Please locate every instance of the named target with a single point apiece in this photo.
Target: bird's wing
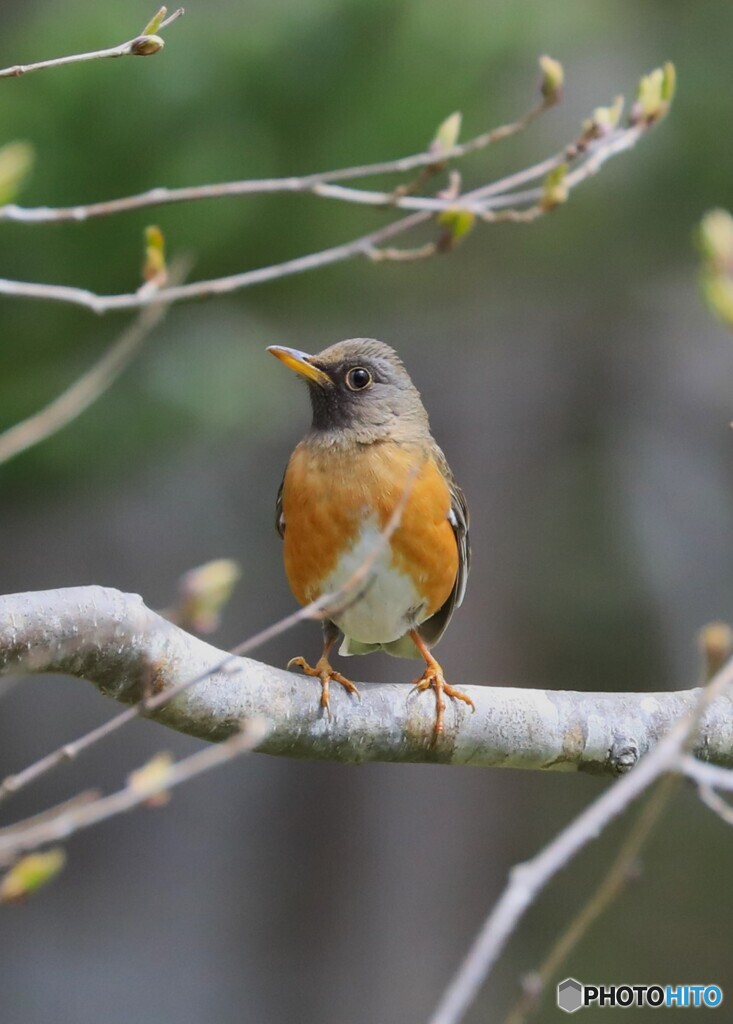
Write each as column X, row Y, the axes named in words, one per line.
column 433, row 628
column 279, row 516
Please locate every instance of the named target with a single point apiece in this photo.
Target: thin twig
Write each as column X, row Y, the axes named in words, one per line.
column 716, row 803
column 324, row 607
column 141, row 46
column 620, row 874
column 707, row 774
column 322, row 184
column 716, row 647
column 527, row 880
column 24, row 836
column 364, row 245
column 90, row 386
column 88, row 796
column 216, row 286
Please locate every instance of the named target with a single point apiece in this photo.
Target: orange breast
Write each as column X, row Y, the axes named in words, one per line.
column 328, row 494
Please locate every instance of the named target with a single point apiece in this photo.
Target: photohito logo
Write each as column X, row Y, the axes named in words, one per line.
column 572, row 995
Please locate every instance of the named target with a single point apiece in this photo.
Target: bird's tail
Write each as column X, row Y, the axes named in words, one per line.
column 402, row 648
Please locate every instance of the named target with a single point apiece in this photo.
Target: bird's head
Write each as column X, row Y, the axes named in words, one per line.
column 360, row 390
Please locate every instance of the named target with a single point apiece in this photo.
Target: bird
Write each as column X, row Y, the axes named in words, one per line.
column 368, row 458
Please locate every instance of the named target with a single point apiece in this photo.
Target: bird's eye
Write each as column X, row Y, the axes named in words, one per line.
column 358, row 378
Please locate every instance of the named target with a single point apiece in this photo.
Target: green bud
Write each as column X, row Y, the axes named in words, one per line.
column 715, row 641
column 656, row 91
column 649, row 96
column 669, row 82
column 604, row 119
column 715, row 236
column 154, row 264
column 150, row 780
column 30, row 873
column 553, row 79
column 146, row 46
column 555, row 191
column 457, row 222
column 447, row 134
column 16, row 161
column 203, row 594
column 717, row 289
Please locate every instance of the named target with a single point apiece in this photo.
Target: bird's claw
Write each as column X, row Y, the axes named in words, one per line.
column 433, row 679
column 324, row 671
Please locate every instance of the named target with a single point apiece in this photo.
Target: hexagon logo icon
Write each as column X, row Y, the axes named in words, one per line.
column 570, row 995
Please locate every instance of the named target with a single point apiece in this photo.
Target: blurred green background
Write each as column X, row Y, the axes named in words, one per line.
column 580, row 390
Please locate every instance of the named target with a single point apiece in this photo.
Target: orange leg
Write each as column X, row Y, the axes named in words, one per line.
column 324, row 671
column 433, row 678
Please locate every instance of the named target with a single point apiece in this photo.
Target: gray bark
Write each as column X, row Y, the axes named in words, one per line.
column 128, row 651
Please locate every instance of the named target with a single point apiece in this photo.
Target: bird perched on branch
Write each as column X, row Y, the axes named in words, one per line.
column 369, row 459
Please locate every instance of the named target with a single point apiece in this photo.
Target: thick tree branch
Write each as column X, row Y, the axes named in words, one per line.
column 126, row 651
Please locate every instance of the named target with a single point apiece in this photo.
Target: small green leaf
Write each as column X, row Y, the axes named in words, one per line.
column 555, row 191
column 204, row 593
column 458, row 222
column 154, row 264
column 715, row 236
column 656, row 92
column 718, row 292
column 16, row 161
column 150, row 780
column 447, row 134
column 604, row 119
column 669, row 82
column 649, row 96
column 30, row 873
column 155, row 22
column 553, row 79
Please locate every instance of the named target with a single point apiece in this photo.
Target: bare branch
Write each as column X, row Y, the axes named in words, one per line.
column 529, row 879
column 154, row 695
column 481, row 202
column 128, row 651
column 707, row 774
column 716, row 647
column 716, row 803
column 623, row 870
column 144, row 45
column 494, row 202
column 24, row 836
column 216, row 286
column 321, row 183
column 87, row 796
column 89, row 387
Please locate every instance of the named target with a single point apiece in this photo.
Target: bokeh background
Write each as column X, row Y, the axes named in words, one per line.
column 577, row 384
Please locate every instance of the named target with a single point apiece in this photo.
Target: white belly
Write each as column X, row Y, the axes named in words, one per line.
column 390, row 604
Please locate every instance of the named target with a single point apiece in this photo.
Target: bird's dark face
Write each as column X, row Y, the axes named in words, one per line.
column 359, row 387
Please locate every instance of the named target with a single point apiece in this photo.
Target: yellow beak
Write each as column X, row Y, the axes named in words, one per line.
column 300, row 362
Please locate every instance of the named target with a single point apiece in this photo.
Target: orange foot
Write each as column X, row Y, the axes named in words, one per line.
column 324, row 671
column 433, row 678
